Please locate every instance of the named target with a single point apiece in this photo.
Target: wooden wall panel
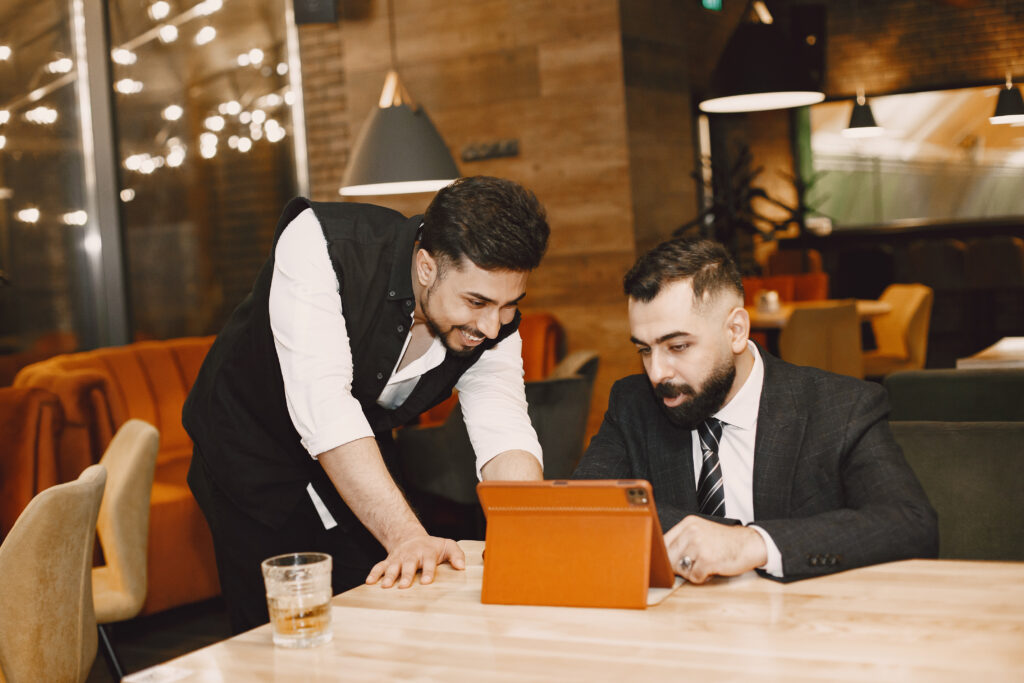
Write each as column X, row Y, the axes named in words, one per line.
column 548, row 74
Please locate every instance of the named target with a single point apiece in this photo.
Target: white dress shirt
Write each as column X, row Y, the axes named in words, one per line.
column 736, row 455
column 316, row 361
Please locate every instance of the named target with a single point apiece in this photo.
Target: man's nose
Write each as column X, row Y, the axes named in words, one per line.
column 658, row 367
column 490, row 323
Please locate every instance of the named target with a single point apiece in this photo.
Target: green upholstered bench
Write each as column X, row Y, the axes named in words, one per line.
column 971, row 472
column 956, row 395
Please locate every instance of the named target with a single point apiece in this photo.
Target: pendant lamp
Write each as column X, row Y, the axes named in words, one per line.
column 398, row 151
column 1009, row 106
column 862, row 121
column 760, row 70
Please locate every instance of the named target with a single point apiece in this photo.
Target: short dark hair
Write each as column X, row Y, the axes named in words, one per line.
column 705, row 263
column 496, row 223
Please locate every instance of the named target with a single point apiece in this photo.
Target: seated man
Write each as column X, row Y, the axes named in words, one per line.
column 755, row 463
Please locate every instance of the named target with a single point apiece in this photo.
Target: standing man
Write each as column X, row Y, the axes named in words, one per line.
column 755, row 463
column 360, row 320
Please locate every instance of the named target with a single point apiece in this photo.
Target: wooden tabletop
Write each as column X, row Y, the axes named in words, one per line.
column 776, row 320
column 913, row 620
column 1008, row 352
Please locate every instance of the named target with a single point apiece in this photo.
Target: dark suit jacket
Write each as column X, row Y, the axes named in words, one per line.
column 831, row 485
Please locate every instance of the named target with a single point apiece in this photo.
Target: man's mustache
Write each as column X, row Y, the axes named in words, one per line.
column 669, row 390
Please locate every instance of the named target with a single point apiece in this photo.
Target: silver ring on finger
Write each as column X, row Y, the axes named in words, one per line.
column 686, row 563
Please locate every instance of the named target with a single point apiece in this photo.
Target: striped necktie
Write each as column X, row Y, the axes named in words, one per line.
column 710, row 491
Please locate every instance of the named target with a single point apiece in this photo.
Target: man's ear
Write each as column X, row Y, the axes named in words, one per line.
column 425, row 268
column 737, row 326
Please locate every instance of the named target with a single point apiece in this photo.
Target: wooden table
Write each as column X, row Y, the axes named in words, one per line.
column 1008, row 352
column 776, row 320
column 913, row 620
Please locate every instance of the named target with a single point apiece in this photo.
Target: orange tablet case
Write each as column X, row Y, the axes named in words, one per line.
column 592, row 543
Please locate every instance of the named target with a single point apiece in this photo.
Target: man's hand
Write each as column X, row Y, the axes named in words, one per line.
column 713, row 548
column 408, row 556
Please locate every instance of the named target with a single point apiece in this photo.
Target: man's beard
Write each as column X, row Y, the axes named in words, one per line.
column 702, row 404
column 435, row 328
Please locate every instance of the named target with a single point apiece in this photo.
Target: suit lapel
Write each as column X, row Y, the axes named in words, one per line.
column 671, row 461
column 780, row 432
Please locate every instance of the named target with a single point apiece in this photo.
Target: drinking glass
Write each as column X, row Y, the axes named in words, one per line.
column 299, row 598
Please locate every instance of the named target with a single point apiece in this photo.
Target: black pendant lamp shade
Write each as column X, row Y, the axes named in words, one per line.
column 862, row 121
column 398, row 151
column 1009, row 106
column 760, row 70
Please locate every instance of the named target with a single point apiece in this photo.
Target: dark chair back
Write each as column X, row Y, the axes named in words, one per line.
column 971, row 473
column 956, row 395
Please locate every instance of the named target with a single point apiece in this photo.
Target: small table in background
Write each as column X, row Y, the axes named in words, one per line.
column 1008, row 352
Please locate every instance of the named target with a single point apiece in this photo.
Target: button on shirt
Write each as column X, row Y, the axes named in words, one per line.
column 736, row 455
column 316, row 361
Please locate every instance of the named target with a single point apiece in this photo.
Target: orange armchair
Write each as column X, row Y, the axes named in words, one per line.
column 31, row 421
column 102, row 389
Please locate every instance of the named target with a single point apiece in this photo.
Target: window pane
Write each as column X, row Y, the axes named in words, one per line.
column 204, row 132
column 44, row 293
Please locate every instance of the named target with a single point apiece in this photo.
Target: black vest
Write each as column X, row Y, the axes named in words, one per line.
column 236, row 412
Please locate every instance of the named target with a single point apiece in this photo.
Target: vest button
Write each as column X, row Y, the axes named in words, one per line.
column 391, row 293
column 380, row 375
column 408, row 303
column 401, row 328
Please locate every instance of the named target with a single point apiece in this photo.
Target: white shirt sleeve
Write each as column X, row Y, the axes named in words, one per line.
column 774, row 564
column 311, row 340
column 493, row 400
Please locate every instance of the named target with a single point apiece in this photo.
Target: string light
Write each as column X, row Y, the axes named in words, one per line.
column 127, row 195
column 205, row 35
column 3, row 141
column 168, row 33
column 123, row 56
column 128, row 86
column 159, row 10
column 5, row 116
column 75, row 218
column 41, row 115
column 208, row 7
column 244, row 145
column 60, row 66
column 5, row 53
column 214, row 123
column 28, row 215
column 172, row 112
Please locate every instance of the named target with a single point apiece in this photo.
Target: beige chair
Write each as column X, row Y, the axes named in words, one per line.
column 825, row 336
column 901, row 335
column 119, row 586
column 47, row 624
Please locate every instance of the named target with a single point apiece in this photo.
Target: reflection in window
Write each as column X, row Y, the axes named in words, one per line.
column 204, row 133
column 42, row 207
column 939, row 159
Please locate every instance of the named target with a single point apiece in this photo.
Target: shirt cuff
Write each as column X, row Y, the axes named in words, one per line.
column 774, row 564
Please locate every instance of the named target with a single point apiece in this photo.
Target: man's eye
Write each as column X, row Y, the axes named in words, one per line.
column 679, row 347
column 644, row 352
column 475, row 304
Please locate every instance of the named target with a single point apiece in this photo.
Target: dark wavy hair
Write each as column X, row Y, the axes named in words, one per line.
column 495, row 223
column 705, row 263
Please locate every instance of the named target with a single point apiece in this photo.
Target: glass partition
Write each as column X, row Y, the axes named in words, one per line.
column 935, row 158
column 146, row 149
column 204, row 132
column 44, row 289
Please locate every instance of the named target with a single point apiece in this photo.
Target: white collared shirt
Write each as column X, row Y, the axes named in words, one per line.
column 316, row 361
column 736, row 455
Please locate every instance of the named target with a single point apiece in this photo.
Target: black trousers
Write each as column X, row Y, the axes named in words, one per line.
column 241, row 543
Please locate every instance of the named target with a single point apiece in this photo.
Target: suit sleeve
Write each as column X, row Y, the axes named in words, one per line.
column 884, row 516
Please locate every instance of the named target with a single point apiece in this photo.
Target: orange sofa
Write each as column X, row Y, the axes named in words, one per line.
column 31, row 421
column 99, row 390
